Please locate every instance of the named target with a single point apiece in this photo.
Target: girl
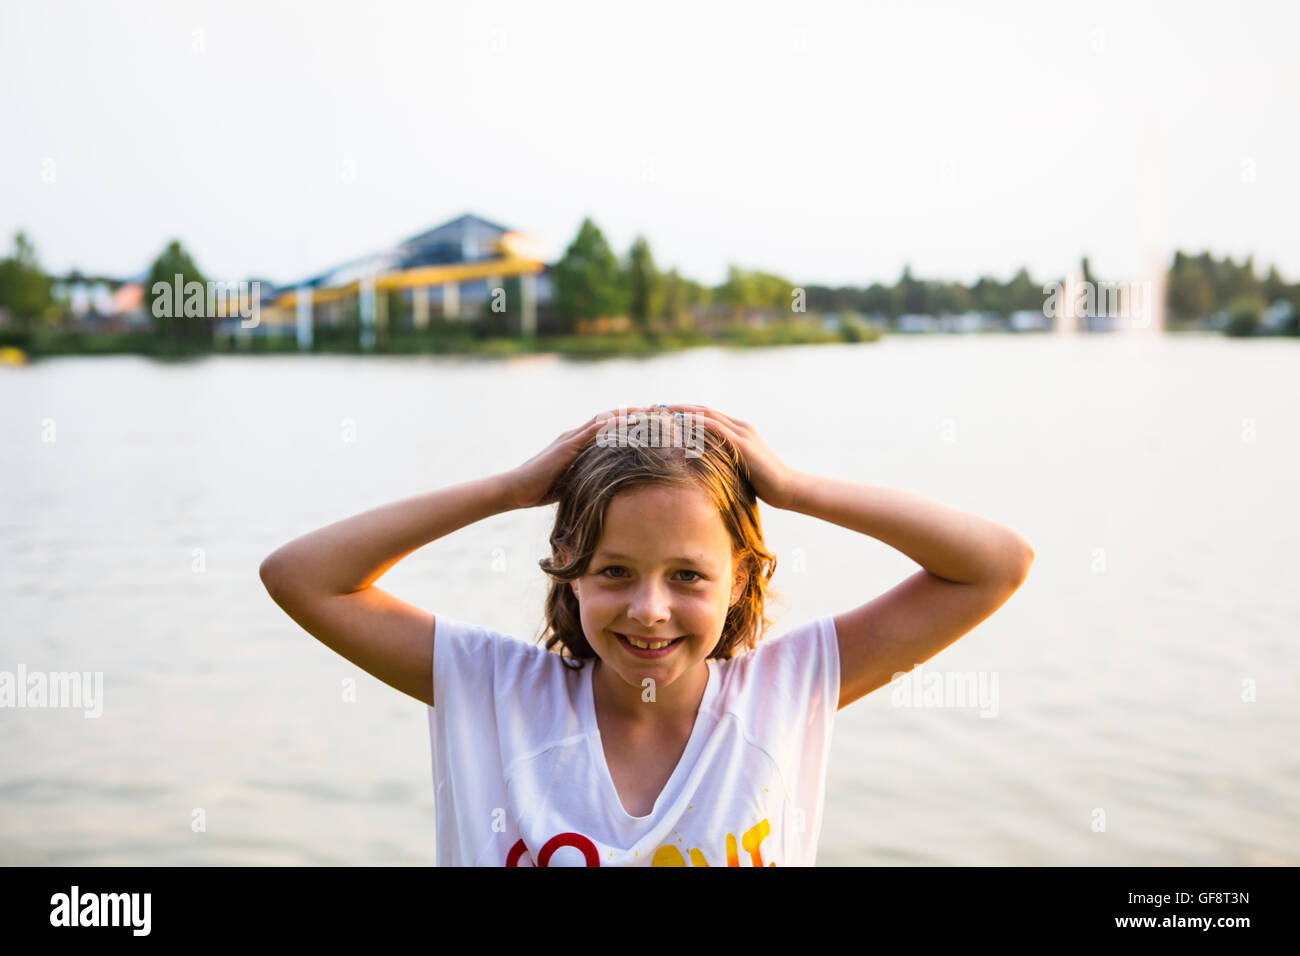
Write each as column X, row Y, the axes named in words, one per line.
column 657, row 727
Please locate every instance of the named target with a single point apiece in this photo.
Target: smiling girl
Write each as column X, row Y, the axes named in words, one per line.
column 658, row 726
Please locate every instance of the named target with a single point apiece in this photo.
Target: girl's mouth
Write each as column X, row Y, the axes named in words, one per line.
column 651, row 651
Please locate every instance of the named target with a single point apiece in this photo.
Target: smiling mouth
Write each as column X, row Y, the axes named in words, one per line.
column 646, row 645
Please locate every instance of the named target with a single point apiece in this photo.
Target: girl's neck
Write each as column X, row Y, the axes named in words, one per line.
column 671, row 707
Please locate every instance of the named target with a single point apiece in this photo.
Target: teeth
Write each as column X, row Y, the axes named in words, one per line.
column 646, row 647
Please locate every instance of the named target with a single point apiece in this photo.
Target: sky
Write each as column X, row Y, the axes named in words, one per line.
column 831, row 143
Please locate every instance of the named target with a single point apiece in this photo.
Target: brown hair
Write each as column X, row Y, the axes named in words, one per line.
column 599, row 473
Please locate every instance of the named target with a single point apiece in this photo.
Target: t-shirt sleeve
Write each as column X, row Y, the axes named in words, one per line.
column 792, row 691
column 464, row 675
column 474, row 669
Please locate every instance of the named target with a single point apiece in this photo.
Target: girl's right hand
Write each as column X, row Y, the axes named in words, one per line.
column 531, row 484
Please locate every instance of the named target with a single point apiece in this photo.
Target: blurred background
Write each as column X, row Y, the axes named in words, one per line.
column 269, row 265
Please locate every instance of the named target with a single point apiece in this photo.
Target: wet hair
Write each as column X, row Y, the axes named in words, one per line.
column 599, row 473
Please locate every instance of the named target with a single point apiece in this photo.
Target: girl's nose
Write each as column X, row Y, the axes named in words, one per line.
column 650, row 604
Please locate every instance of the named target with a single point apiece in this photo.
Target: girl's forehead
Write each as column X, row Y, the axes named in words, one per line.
column 664, row 518
column 664, row 502
column 658, row 523
column 660, row 544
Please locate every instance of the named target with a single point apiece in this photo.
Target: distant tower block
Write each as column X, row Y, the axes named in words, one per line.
column 1154, row 293
column 420, row 307
column 367, row 304
column 528, row 313
column 303, row 303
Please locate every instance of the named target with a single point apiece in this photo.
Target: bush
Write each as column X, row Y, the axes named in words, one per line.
column 1244, row 316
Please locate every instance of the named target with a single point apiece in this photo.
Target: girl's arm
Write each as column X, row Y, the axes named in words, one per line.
column 971, row 566
column 325, row 580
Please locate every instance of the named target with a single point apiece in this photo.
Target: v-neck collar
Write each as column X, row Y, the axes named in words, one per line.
column 684, row 762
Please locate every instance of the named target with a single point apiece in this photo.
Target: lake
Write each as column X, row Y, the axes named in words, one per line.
column 1146, row 672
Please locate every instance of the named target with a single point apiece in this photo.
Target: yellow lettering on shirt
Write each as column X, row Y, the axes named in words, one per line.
column 751, row 839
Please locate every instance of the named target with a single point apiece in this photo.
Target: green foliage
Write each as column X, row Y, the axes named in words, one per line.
column 854, row 329
column 1200, row 285
column 909, row 295
column 179, row 330
column 1244, row 314
column 800, row 331
column 645, row 288
column 673, row 314
column 588, row 281
column 745, row 290
column 1189, row 288
column 25, row 289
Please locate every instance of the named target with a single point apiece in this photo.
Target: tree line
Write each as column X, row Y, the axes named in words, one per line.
column 591, row 281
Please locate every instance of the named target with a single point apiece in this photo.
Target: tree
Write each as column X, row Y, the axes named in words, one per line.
column 773, row 291
column 744, row 290
column 990, row 296
column 1244, row 314
column 1023, row 293
column 25, row 289
column 587, row 279
column 1189, row 293
column 189, row 323
column 737, row 291
column 1275, row 286
column 955, row 298
column 674, row 314
column 644, row 286
column 909, row 294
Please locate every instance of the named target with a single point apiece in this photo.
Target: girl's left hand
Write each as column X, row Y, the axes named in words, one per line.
column 774, row 481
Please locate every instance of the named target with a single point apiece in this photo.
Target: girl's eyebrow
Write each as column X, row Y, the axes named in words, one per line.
column 623, row 557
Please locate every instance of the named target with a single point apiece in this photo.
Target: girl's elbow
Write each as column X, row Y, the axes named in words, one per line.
column 1026, row 561
column 273, row 573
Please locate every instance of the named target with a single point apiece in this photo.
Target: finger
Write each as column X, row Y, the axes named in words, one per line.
column 715, row 425
column 600, row 418
column 709, row 418
column 735, row 423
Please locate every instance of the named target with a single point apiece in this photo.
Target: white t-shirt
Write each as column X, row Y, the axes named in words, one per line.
column 520, row 777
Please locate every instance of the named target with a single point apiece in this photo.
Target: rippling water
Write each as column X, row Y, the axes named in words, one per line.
column 1147, row 674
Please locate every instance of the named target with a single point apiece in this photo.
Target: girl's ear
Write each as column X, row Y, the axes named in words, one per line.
column 741, row 579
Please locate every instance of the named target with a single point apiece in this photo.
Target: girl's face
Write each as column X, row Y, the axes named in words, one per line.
column 663, row 569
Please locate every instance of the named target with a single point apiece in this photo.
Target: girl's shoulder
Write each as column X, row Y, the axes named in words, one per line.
column 499, row 685
column 802, row 663
column 784, row 694
column 464, row 647
column 791, row 648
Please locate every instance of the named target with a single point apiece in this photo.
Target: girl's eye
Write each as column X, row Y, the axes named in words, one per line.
column 697, row 575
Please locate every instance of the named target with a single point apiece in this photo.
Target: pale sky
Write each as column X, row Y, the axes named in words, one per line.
column 827, row 142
